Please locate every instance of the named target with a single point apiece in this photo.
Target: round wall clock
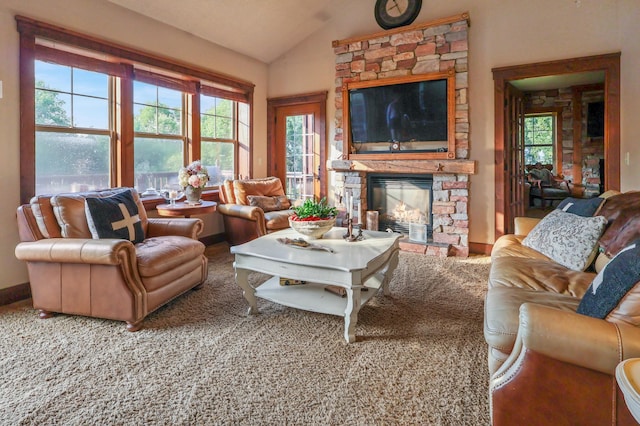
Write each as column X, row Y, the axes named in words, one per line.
column 396, row 13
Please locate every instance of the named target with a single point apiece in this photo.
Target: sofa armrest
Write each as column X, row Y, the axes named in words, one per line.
column 574, row 338
column 252, row 213
column 524, row 225
column 77, row 250
column 187, row 227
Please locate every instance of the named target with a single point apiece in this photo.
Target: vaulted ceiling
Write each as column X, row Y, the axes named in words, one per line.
column 261, row 29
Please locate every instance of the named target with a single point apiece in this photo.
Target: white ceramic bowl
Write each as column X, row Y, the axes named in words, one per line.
column 314, row 229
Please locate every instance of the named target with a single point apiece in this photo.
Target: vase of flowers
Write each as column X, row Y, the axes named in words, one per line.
column 193, row 179
column 313, row 219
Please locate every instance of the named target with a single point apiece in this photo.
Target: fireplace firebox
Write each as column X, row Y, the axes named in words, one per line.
column 403, row 202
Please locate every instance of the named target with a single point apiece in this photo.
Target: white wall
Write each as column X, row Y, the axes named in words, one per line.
column 109, row 22
column 502, row 33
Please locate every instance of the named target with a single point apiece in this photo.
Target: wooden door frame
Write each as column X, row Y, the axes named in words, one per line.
column 610, row 64
column 273, row 104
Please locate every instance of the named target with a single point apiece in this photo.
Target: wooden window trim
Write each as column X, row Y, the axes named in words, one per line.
column 125, row 64
column 31, row 27
column 557, row 116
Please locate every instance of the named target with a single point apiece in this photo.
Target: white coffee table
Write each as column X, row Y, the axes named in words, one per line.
column 353, row 265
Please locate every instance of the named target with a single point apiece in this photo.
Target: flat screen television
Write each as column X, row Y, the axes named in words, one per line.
column 401, row 112
column 403, row 115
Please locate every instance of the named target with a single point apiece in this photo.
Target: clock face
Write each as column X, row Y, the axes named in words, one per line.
column 396, row 13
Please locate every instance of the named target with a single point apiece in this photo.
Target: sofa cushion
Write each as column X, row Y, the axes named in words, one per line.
column 569, row 239
column 614, row 293
column 266, row 187
column 45, row 218
column 227, row 192
column 623, row 231
column 114, row 217
column 581, row 207
column 277, row 220
column 70, row 213
column 269, row 203
column 158, row 255
column 616, row 204
column 538, row 274
column 502, row 309
column 510, row 245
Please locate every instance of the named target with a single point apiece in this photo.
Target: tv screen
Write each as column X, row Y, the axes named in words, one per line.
column 414, row 114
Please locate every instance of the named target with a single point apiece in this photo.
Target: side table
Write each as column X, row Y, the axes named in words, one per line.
column 183, row 209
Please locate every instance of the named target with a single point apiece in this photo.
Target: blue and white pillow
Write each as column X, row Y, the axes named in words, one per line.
column 114, row 217
column 612, row 283
column 582, row 207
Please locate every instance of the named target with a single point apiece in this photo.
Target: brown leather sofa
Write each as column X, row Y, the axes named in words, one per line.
column 72, row 273
column 547, row 363
column 252, row 208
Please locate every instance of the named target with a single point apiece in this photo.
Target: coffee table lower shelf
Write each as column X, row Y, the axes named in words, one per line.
column 313, row 297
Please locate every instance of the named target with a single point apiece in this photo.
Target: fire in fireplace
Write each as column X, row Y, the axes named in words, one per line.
column 403, row 202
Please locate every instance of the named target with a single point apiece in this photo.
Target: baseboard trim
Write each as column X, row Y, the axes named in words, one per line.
column 212, row 239
column 480, row 248
column 14, row 294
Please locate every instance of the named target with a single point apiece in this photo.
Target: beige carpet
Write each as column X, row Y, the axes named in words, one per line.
column 420, row 358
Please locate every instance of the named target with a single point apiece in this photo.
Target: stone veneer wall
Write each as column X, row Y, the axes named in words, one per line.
column 416, row 51
column 592, row 149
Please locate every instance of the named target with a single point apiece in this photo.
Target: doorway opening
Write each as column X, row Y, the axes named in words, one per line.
column 510, row 85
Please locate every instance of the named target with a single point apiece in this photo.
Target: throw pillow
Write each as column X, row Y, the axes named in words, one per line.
column 581, row 207
column 269, row 203
column 612, row 283
column 567, row 238
column 114, row 217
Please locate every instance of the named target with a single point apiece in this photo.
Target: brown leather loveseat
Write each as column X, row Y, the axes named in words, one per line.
column 73, row 273
column 252, row 208
column 549, row 364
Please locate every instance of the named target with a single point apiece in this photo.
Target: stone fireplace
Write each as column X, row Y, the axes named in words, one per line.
column 437, row 46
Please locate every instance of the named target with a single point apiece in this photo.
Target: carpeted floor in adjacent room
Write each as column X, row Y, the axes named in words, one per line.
column 420, row 358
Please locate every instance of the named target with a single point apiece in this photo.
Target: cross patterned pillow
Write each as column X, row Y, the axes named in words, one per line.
column 114, row 217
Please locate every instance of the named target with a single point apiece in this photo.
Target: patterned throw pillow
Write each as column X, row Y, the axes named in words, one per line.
column 269, row 203
column 582, row 207
column 114, row 217
column 612, row 285
column 569, row 239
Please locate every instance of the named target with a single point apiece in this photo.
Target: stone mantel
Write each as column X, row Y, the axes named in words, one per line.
column 461, row 166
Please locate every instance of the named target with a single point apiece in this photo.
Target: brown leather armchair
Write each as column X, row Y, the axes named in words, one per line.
column 70, row 272
column 251, row 208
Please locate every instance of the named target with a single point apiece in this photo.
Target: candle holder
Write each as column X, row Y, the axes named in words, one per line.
column 349, row 236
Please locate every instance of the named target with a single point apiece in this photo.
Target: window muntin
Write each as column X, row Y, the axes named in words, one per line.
column 157, row 110
column 217, row 117
column 73, row 130
column 539, row 138
column 218, row 130
column 159, row 135
column 51, row 44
